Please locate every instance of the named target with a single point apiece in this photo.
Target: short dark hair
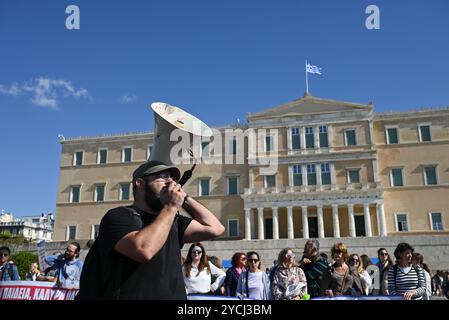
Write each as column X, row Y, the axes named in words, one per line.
column 401, row 248
column 5, row 248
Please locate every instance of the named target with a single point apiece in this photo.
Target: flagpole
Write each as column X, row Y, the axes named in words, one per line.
column 307, row 81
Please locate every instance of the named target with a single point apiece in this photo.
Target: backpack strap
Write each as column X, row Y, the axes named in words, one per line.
column 246, row 284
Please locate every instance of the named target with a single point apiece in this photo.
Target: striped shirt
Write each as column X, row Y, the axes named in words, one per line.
column 400, row 281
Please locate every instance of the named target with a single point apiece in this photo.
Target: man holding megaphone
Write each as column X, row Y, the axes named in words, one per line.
column 137, row 254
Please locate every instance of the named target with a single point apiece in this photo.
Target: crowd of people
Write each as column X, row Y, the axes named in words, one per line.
column 313, row 275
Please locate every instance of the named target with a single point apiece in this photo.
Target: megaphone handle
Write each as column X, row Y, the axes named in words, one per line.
column 187, row 175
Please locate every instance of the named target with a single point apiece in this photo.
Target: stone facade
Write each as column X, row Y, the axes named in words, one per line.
column 340, row 171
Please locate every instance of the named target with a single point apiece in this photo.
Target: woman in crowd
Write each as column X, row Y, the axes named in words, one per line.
column 289, row 281
column 216, row 261
column 197, row 271
column 384, row 264
column 341, row 279
column 368, row 267
column 314, row 266
column 233, row 273
column 356, row 262
column 33, row 273
column 418, row 260
column 404, row 278
column 254, row 283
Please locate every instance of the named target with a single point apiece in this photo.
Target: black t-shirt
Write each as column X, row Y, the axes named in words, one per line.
column 124, row 278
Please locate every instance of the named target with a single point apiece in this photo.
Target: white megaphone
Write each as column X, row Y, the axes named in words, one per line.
column 168, row 118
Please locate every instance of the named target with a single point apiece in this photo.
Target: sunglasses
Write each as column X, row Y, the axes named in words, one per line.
column 253, row 260
column 4, row 254
column 196, row 251
column 384, row 254
column 290, row 255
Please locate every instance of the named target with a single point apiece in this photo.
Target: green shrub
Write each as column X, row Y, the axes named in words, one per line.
column 23, row 261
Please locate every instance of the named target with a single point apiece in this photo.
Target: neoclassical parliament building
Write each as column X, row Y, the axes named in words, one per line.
column 342, row 170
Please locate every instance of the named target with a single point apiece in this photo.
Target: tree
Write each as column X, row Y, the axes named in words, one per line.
column 23, row 261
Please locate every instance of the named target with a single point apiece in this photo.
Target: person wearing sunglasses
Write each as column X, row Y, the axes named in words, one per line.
column 198, row 271
column 356, row 262
column 289, row 281
column 8, row 270
column 314, row 266
column 254, row 283
column 136, row 255
column 383, row 264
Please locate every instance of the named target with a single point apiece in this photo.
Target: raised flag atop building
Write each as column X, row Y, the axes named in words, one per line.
column 311, row 69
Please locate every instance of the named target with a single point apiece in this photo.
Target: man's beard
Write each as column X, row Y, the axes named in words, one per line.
column 152, row 201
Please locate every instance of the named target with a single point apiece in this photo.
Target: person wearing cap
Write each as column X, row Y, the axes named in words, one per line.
column 136, row 254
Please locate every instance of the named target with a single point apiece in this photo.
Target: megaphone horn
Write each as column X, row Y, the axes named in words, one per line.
column 168, row 118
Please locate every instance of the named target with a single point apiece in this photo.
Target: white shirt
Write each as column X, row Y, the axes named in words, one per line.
column 255, row 285
column 367, row 281
column 201, row 283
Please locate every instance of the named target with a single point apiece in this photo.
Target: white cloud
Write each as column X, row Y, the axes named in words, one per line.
column 46, row 91
column 128, row 98
column 13, row 90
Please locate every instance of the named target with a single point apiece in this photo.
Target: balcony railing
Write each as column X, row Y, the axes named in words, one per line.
column 313, row 188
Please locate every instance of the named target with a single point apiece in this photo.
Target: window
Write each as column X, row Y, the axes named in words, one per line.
column 309, row 138
column 430, row 175
column 102, row 156
column 204, row 189
column 325, row 174
column 233, row 228
column 150, row 149
column 397, row 179
column 436, row 221
column 205, row 150
column 233, row 146
column 269, row 143
column 127, row 154
column 297, row 175
column 296, row 141
column 75, row 194
column 124, row 191
column 424, row 133
column 350, row 137
column 95, row 231
column 71, row 232
column 78, row 158
column 311, row 175
column 233, row 186
column 353, row 176
column 270, row 181
column 392, row 136
column 99, row 192
column 401, row 222
column 324, row 143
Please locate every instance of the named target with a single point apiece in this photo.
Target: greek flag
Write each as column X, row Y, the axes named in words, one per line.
column 313, row 69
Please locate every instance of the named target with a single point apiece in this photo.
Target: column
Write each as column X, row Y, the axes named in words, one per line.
column 290, row 223
column 302, row 137
column 316, row 137
column 319, row 210
column 367, row 220
column 318, row 174
column 351, row 220
column 289, row 139
column 305, row 223
column 251, row 178
column 330, row 131
column 375, row 173
column 260, row 224
column 335, row 221
column 382, row 223
column 247, row 223
column 275, row 223
column 333, row 174
column 290, row 176
column 304, row 174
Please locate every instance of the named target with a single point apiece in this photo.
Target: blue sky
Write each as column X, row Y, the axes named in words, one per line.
column 216, row 59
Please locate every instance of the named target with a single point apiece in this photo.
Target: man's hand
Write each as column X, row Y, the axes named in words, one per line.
column 173, row 195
